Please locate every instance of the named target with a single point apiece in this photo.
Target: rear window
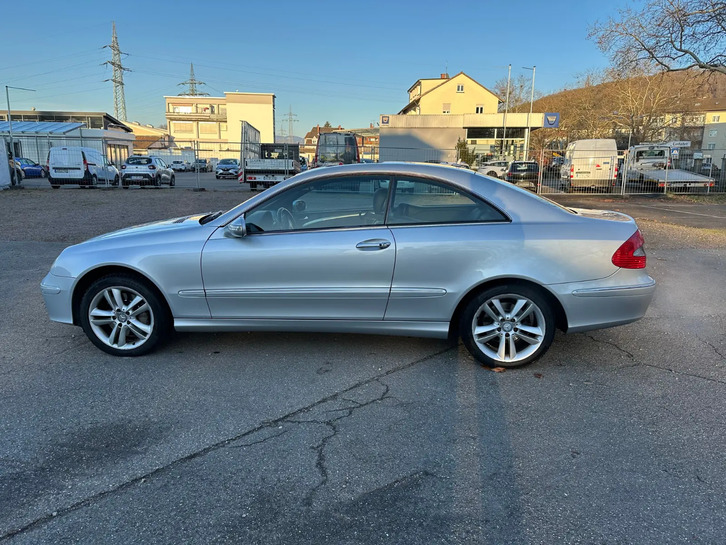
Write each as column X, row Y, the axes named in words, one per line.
column 138, row 161
column 524, row 167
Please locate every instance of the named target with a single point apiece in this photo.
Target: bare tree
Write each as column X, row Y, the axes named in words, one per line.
column 673, row 34
column 520, row 89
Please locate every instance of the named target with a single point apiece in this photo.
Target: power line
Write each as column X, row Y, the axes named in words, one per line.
column 119, row 100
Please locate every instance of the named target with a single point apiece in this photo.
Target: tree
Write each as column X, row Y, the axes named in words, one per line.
column 463, row 153
column 327, row 125
column 520, row 89
column 673, row 34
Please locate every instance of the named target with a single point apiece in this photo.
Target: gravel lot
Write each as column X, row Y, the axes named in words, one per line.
column 615, row 436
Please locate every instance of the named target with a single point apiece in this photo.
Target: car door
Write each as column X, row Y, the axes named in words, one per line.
column 446, row 242
column 316, row 251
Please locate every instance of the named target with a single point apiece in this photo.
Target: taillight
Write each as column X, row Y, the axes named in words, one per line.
column 631, row 254
column 85, row 164
column 616, row 173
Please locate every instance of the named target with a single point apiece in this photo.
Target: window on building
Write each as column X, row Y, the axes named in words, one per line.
column 181, row 109
column 713, row 133
column 712, row 145
column 446, row 108
column 460, row 88
column 481, row 132
column 715, row 118
column 207, row 128
column 182, row 127
column 479, row 109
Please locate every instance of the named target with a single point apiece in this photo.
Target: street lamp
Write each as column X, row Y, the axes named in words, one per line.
column 529, row 115
column 10, row 127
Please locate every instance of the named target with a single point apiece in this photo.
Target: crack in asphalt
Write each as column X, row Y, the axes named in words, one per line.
column 713, row 347
column 331, row 423
column 95, row 498
column 637, row 363
column 614, row 345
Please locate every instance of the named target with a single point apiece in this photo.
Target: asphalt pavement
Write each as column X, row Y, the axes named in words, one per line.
column 615, row 436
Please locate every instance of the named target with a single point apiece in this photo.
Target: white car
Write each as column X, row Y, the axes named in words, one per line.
column 496, row 169
column 79, row 165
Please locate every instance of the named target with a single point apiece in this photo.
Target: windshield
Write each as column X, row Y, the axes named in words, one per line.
column 337, row 148
column 228, row 162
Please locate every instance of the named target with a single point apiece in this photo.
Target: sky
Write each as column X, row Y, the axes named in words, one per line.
column 337, row 61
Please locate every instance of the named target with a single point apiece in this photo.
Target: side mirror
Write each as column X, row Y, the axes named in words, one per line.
column 236, row 229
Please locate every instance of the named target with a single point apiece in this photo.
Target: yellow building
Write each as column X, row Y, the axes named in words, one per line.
column 457, row 95
column 215, row 122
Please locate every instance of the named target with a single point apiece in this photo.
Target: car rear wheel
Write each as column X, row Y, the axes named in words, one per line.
column 122, row 316
column 508, row 326
column 157, row 181
column 493, row 174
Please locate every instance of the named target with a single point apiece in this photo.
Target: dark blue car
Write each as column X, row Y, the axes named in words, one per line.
column 31, row 169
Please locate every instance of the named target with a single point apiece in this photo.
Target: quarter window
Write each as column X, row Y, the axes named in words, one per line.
column 417, row 201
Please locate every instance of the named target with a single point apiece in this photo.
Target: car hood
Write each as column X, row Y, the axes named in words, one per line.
column 152, row 227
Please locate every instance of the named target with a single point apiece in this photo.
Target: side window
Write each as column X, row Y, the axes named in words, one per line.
column 349, row 201
column 417, row 201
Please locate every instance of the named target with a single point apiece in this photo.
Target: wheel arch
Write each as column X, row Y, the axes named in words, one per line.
column 94, row 274
column 557, row 308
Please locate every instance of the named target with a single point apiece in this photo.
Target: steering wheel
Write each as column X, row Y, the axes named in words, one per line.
column 285, row 218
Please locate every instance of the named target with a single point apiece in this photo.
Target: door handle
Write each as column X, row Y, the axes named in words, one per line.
column 374, row 244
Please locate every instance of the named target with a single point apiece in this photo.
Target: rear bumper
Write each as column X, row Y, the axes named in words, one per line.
column 141, row 179
column 619, row 299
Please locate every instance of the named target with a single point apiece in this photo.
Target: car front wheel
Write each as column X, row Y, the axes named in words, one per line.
column 122, row 316
column 508, row 326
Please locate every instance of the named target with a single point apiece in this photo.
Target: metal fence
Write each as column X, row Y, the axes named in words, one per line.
column 550, row 171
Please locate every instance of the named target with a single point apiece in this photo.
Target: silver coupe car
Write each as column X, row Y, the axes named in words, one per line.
column 383, row 248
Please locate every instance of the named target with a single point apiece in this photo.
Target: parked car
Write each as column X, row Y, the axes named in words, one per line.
column 179, row 165
column 345, row 249
column 30, row 168
column 146, row 170
column 524, row 174
column 201, row 165
column 80, row 165
column 336, row 148
column 227, row 168
column 497, row 169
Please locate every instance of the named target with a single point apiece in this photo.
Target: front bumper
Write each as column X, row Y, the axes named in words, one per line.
column 225, row 173
column 57, row 294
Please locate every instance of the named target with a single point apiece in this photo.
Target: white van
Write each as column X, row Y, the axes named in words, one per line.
column 77, row 165
column 590, row 164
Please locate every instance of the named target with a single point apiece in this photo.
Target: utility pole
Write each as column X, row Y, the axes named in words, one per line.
column 529, row 115
column 119, row 100
column 506, row 110
column 191, row 84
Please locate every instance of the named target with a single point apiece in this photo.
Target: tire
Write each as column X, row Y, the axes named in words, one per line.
column 124, row 184
column 172, row 181
column 115, row 181
column 43, row 173
column 216, row 176
column 55, row 186
column 157, row 181
column 94, row 181
column 122, row 330
column 493, row 174
column 501, row 339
